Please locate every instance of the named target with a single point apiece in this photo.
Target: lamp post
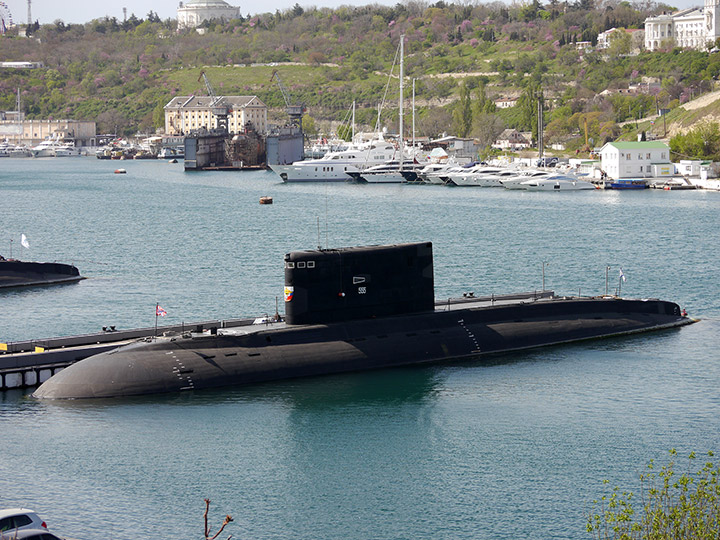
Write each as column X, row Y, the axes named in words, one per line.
column 607, row 270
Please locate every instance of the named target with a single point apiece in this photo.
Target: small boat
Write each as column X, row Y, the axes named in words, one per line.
column 623, row 183
column 120, row 171
column 266, row 200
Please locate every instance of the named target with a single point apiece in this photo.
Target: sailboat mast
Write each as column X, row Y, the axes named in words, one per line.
column 353, row 122
column 413, row 119
column 402, row 76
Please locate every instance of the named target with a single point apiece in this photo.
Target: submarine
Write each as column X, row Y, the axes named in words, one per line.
column 353, row 309
column 15, row 273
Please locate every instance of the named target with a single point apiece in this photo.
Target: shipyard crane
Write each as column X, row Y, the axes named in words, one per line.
column 218, row 107
column 295, row 112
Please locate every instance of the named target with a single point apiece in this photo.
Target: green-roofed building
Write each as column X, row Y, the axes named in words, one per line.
column 646, row 159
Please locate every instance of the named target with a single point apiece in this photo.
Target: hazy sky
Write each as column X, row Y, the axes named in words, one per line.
column 81, row 11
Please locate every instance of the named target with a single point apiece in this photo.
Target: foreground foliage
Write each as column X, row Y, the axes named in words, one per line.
column 674, row 505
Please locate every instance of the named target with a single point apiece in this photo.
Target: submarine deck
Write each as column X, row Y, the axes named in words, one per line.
column 26, row 364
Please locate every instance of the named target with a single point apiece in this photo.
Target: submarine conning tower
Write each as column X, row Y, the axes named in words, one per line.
column 331, row 285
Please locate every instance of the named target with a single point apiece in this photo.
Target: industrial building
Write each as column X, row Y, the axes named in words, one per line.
column 18, row 130
column 187, row 113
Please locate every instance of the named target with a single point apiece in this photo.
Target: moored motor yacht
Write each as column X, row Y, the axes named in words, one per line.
column 55, row 148
column 480, row 176
column 336, row 166
column 66, row 150
column 558, row 183
column 516, row 182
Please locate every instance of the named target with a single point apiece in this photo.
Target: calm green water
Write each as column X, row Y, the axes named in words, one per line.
column 516, row 447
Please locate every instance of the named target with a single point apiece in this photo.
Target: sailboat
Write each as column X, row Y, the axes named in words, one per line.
column 403, row 167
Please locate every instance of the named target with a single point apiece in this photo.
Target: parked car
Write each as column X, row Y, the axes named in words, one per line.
column 12, row 519
column 28, row 534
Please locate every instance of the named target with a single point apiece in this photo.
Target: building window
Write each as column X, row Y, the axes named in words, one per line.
column 647, row 156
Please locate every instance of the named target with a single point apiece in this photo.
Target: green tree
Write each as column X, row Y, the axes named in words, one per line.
column 702, row 142
column 674, row 505
column 620, row 43
column 308, row 126
column 462, row 113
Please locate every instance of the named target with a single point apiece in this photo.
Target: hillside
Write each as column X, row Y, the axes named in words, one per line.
column 461, row 57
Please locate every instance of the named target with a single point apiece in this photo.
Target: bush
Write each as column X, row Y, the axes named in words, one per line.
column 683, row 506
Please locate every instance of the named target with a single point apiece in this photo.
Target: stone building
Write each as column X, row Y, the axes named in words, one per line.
column 193, row 13
column 692, row 28
column 18, row 130
column 186, row 113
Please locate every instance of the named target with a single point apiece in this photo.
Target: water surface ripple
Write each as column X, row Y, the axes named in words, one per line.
column 514, row 447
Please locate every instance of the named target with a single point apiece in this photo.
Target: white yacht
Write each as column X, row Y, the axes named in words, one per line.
column 54, row 148
column 389, row 172
column 66, row 150
column 14, row 151
column 429, row 173
column 558, row 183
column 335, row 166
column 480, row 176
column 516, row 181
column 442, row 175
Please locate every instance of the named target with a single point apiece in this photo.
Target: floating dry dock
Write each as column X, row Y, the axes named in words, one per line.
column 355, row 309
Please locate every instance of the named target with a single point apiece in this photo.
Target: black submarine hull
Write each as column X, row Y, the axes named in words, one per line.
column 14, row 273
column 280, row 351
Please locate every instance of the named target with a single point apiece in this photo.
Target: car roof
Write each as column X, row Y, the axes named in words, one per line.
column 5, row 512
column 23, row 533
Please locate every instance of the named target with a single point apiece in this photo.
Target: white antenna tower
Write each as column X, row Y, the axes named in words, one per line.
column 29, row 12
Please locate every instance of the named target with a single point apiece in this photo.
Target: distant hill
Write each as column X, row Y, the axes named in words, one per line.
column 462, row 57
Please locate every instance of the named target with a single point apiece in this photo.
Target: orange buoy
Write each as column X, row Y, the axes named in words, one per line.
column 120, row 171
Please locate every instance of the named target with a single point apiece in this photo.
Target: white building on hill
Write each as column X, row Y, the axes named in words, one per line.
column 690, row 28
column 193, row 13
column 646, row 159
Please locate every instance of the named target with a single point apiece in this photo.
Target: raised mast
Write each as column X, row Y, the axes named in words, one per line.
column 402, row 76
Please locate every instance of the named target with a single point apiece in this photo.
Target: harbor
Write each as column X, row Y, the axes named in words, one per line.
column 539, row 429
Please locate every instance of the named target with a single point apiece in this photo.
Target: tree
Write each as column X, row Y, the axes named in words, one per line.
column 308, row 126
column 486, row 128
column 528, row 104
column 674, row 505
column 703, row 142
column 462, row 113
column 620, row 43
